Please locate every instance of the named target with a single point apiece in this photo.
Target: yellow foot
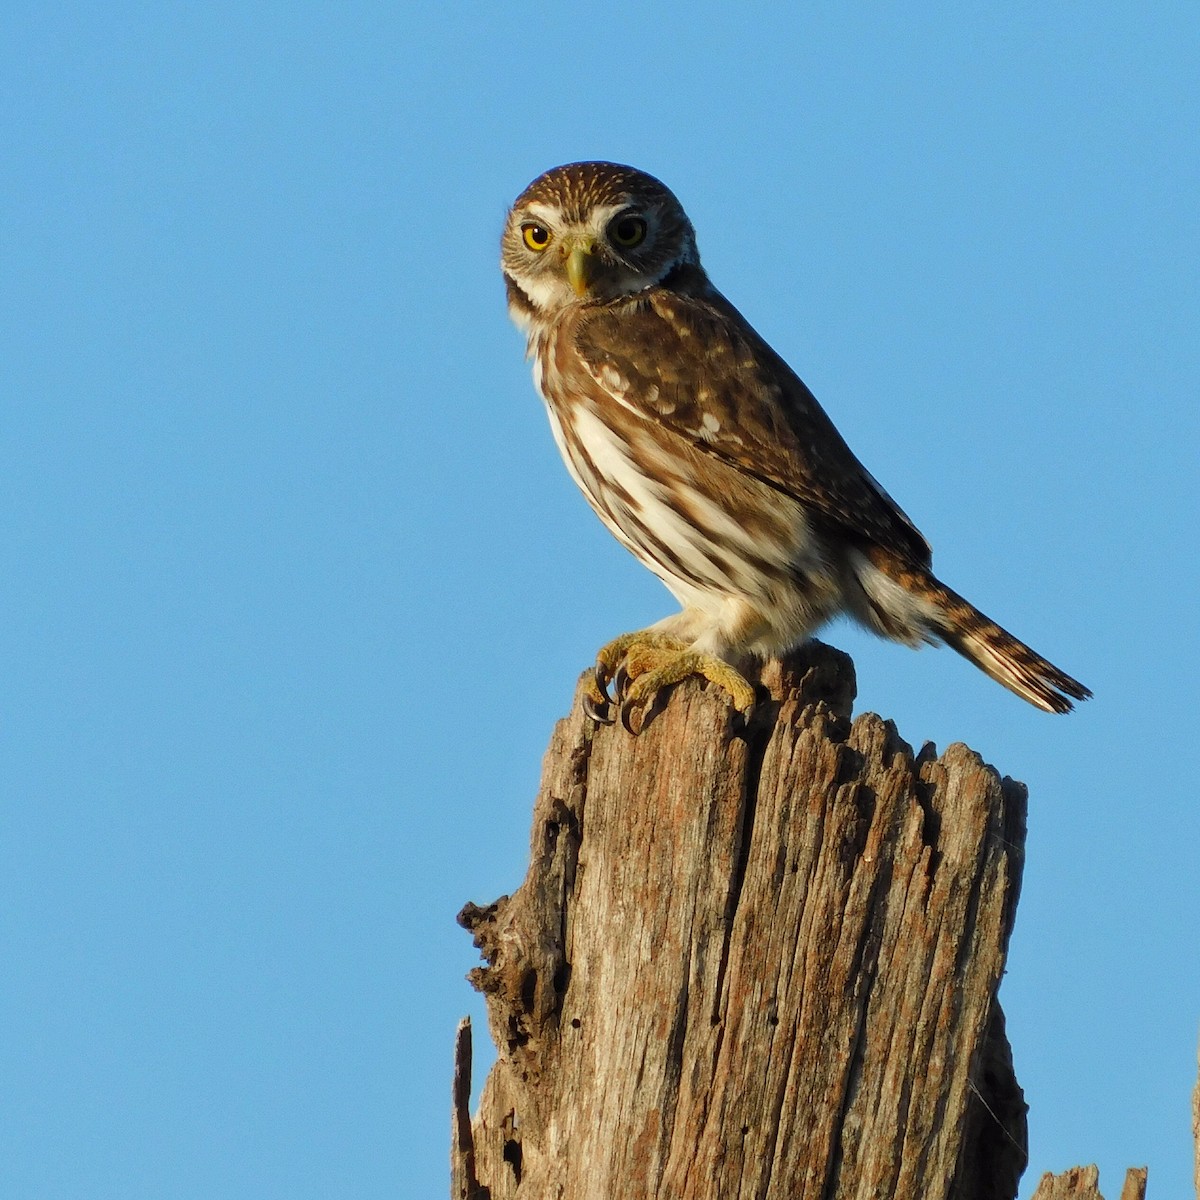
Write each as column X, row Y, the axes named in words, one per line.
column 609, row 661
column 642, row 664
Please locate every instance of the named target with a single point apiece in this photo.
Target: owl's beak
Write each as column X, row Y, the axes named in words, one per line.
column 580, row 266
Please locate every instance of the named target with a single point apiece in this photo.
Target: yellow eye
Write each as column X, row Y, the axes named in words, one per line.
column 628, row 232
column 536, row 237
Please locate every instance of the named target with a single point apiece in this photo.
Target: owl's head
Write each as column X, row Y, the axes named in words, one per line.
column 592, row 231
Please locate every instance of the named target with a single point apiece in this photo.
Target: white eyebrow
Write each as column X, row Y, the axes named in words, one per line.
column 547, row 212
column 598, row 217
column 603, row 213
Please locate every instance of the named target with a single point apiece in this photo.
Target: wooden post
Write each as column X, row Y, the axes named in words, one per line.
column 753, row 962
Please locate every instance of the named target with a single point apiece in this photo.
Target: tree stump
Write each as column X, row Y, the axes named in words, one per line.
column 754, row 961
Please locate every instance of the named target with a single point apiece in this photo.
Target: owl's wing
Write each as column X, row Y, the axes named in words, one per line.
column 693, row 365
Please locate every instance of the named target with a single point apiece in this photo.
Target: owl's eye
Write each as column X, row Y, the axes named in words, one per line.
column 536, row 237
column 628, row 232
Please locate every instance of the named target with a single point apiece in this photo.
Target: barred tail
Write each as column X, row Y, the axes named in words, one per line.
column 1007, row 660
column 942, row 614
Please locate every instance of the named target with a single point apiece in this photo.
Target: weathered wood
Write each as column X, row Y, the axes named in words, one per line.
column 758, row 963
column 1196, row 1129
column 1083, row 1183
column 463, row 1180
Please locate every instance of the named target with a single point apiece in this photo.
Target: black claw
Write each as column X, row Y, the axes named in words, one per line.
column 602, row 715
column 628, row 711
column 601, row 677
column 621, row 682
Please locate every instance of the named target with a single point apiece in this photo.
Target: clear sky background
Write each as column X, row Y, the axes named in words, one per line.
column 295, row 585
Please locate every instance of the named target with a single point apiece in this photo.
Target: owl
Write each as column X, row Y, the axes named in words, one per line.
column 706, row 456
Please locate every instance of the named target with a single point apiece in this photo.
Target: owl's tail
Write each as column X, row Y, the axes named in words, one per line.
column 910, row 604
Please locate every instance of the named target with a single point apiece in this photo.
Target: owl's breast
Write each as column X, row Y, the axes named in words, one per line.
column 708, row 530
column 596, row 443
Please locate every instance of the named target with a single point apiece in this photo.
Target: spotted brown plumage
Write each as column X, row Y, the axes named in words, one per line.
column 709, row 459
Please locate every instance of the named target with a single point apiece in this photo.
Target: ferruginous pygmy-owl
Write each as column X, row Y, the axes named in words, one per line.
column 708, row 458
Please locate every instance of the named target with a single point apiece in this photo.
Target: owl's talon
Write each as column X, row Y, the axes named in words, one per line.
column 596, row 711
column 631, row 670
column 633, row 717
column 596, row 702
column 658, row 669
column 601, row 678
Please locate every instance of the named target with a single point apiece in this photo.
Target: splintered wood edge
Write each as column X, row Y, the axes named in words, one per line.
column 1083, row 1183
column 464, row 1183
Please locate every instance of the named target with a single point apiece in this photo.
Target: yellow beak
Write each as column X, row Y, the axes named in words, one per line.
column 580, row 267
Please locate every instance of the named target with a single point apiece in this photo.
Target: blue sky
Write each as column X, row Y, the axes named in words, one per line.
column 295, row 585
